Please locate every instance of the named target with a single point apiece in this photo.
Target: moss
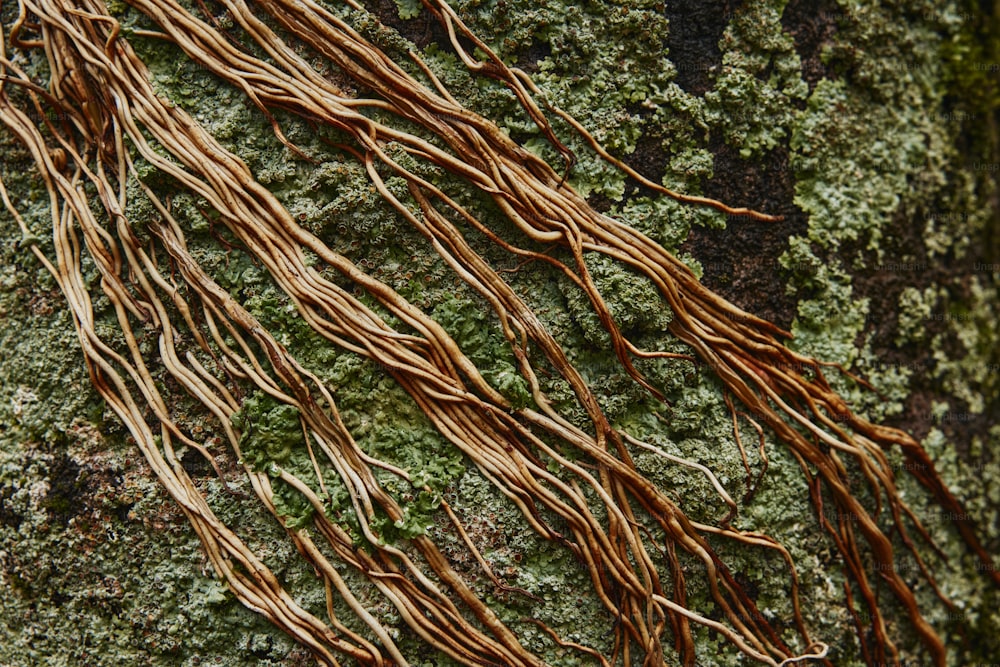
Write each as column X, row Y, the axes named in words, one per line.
column 632, row 300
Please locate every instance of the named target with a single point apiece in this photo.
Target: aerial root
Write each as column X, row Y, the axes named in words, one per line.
column 625, row 530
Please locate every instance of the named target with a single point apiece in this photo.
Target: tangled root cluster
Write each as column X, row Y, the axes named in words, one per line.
column 97, row 130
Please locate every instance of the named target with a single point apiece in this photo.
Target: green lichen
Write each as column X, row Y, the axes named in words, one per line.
column 751, row 102
column 967, row 369
column 269, row 430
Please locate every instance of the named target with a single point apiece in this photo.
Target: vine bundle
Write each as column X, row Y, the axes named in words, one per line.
column 107, row 117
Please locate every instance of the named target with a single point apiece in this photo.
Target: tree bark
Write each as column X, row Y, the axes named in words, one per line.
column 871, row 131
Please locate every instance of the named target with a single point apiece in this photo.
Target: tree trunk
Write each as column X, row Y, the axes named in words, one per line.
column 872, row 133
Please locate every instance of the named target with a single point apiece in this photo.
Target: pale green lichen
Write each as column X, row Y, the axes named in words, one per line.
column 751, row 103
column 971, row 375
column 915, row 308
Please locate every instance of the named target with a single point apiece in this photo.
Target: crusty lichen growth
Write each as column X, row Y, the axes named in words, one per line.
column 97, row 566
column 870, row 143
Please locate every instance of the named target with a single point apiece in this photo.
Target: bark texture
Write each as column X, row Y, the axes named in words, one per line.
column 870, row 127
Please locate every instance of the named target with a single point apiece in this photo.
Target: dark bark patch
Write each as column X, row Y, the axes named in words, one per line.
column 9, row 518
column 693, row 40
column 649, row 157
column 75, row 488
column 882, row 285
column 812, row 24
column 422, row 30
column 740, row 262
column 195, row 465
column 65, row 498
